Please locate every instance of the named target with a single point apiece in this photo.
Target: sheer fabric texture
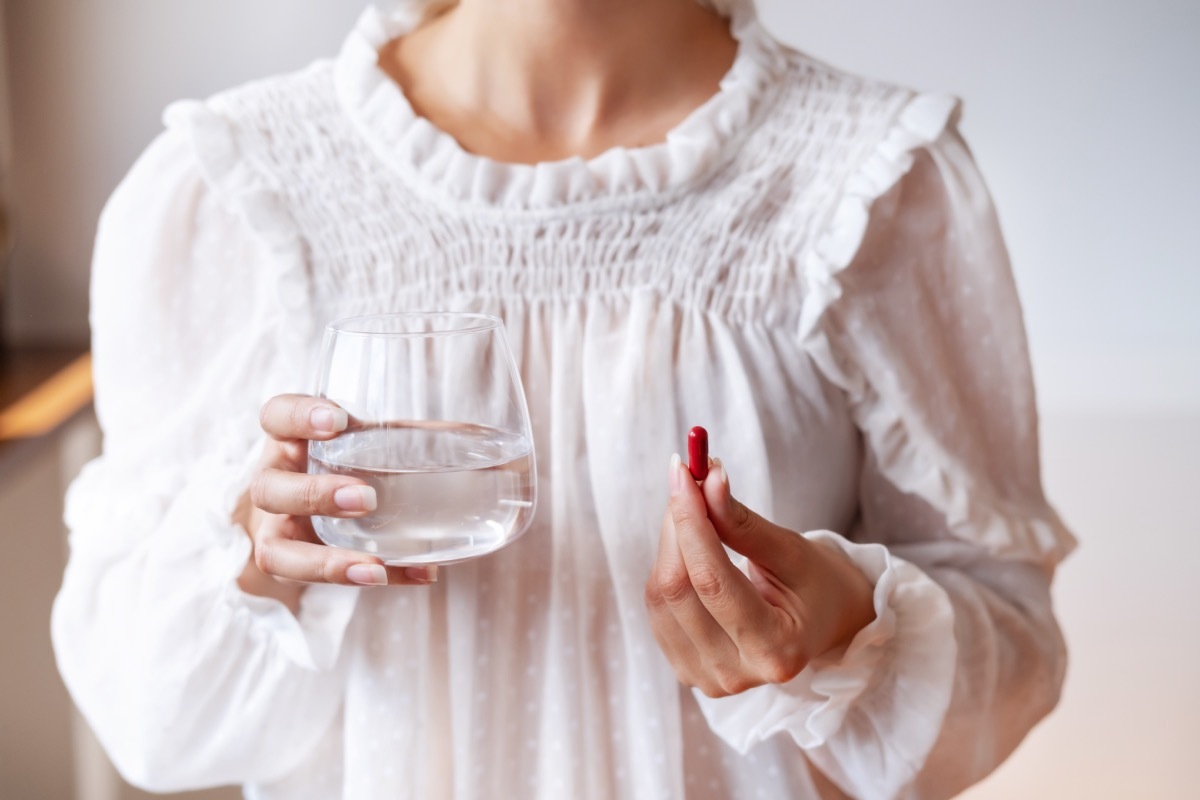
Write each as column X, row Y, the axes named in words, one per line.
column 809, row 266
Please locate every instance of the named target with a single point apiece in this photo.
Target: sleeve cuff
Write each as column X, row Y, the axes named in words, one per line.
column 199, row 529
column 898, row 671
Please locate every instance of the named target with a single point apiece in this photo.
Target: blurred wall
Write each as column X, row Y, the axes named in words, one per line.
column 1085, row 119
column 35, row 712
column 89, row 81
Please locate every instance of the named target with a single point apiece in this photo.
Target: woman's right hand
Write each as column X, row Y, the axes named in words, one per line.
column 282, row 498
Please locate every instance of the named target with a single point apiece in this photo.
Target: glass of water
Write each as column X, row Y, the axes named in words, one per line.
column 440, row 429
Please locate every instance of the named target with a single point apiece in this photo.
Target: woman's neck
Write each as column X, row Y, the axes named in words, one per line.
column 533, row 80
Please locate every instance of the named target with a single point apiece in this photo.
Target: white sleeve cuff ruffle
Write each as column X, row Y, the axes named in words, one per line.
column 199, row 528
column 196, row 536
column 895, row 677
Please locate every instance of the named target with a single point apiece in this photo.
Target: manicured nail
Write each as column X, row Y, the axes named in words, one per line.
column 722, row 475
column 422, row 574
column 329, row 420
column 675, row 474
column 356, row 498
column 367, row 575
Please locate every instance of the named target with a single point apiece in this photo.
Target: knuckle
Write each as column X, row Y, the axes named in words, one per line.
column 708, row 583
column 259, row 489
column 736, row 684
column 264, row 558
column 744, row 519
column 653, row 597
column 726, row 677
column 311, row 496
column 672, row 585
column 782, row 667
column 681, row 515
column 329, row 569
column 712, row 689
column 298, row 415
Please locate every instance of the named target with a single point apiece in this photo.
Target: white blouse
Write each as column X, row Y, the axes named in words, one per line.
column 809, row 266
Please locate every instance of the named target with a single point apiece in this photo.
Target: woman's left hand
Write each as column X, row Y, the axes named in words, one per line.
column 724, row 632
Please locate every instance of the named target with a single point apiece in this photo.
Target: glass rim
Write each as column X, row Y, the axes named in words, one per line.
column 481, row 323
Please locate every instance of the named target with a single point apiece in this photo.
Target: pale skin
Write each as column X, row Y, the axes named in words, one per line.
column 492, row 75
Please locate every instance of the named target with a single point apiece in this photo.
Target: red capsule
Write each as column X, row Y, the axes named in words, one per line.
column 698, row 452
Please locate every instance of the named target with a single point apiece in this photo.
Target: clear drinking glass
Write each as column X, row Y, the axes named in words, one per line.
column 438, row 425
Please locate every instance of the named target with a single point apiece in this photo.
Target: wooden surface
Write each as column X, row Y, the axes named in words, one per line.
column 41, row 388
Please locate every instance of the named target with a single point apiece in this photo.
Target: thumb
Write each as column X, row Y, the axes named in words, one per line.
column 741, row 529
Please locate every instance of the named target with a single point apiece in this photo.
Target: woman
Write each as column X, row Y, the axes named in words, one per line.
column 680, row 221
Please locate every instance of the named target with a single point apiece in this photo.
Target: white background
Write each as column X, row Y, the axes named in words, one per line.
column 1085, row 117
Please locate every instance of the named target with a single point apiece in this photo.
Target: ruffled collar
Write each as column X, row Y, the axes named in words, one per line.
column 434, row 161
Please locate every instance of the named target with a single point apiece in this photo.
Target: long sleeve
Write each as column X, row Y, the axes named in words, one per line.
column 915, row 315
column 181, row 674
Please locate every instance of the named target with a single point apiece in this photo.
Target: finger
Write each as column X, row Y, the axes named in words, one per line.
column 278, row 491
column 297, row 416
column 676, row 645
column 672, row 586
column 741, row 529
column 690, row 669
column 286, row 454
column 726, row 593
column 294, row 560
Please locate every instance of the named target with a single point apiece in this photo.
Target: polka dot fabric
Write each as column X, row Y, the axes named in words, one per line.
column 809, row 266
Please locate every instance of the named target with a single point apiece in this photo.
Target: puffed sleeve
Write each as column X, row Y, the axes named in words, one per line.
column 180, row 673
column 913, row 311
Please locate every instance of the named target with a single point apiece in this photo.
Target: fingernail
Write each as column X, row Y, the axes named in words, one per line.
column 329, row 420
column 356, row 498
column 367, row 575
column 675, row 474
column 722, row 475
column 422, row 574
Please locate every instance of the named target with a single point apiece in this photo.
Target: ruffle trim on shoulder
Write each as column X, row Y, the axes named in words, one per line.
column 972, row 515
column 226, row 167
column 919, row 124
column 227, row 170
column 433, row 160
